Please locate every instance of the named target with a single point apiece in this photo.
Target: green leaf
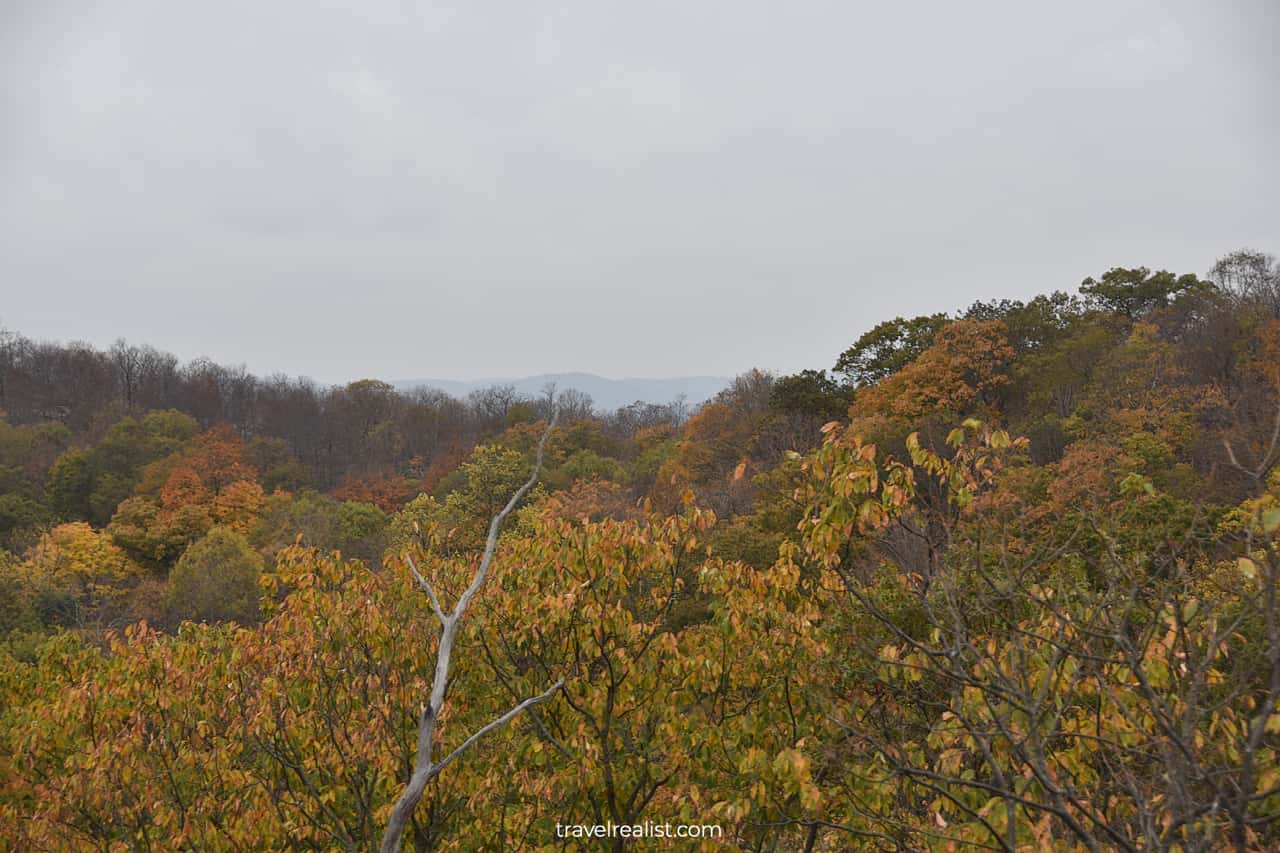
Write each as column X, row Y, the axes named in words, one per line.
column 1271, row 519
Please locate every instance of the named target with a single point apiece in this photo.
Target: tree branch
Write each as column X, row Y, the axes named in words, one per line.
column 424, row 770
column 495, row 724
column 422, row 582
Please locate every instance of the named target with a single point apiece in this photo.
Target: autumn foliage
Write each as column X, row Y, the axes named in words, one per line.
column 1010, row 583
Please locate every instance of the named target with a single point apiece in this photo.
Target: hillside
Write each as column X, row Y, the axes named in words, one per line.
column 998, row 577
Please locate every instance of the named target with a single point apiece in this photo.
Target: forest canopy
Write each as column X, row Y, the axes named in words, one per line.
column 1002, row 578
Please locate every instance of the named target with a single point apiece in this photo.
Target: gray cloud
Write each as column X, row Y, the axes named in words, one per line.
column 469, row 189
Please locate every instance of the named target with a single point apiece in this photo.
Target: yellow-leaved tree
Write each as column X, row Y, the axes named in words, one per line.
column 80, row 576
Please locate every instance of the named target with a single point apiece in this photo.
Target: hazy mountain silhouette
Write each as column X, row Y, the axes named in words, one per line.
column 607, row 394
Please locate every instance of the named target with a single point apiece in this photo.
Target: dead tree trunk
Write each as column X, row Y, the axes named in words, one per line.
column 425, row 769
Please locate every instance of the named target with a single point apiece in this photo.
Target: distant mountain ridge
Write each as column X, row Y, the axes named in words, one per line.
column 606, row 394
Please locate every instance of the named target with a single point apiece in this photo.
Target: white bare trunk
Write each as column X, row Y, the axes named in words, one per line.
column 424, row 769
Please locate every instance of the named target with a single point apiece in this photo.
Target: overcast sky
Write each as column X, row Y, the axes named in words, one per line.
column 466, row 189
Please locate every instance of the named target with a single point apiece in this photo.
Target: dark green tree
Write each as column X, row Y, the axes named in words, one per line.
column 1034, row 324
column 1136, row 292
column 810, row 393
column 888, row 348
column 70, row 483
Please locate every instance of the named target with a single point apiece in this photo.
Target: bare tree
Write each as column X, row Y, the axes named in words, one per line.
column 127, row 362
column 425, row 768
column 1250, row 275
column 8, row 348
column 491, row 405
column 572, row 404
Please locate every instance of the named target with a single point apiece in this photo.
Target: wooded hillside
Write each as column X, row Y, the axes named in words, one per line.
column 1001, row 578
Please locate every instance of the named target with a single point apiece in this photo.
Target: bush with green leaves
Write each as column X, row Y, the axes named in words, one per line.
column 216, row 580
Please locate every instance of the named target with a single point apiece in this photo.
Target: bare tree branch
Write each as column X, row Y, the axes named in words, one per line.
column 495, row 724
column 422, row 582
column 424, row 770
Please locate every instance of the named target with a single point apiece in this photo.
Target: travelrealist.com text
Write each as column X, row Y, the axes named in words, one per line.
column 647, row 829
